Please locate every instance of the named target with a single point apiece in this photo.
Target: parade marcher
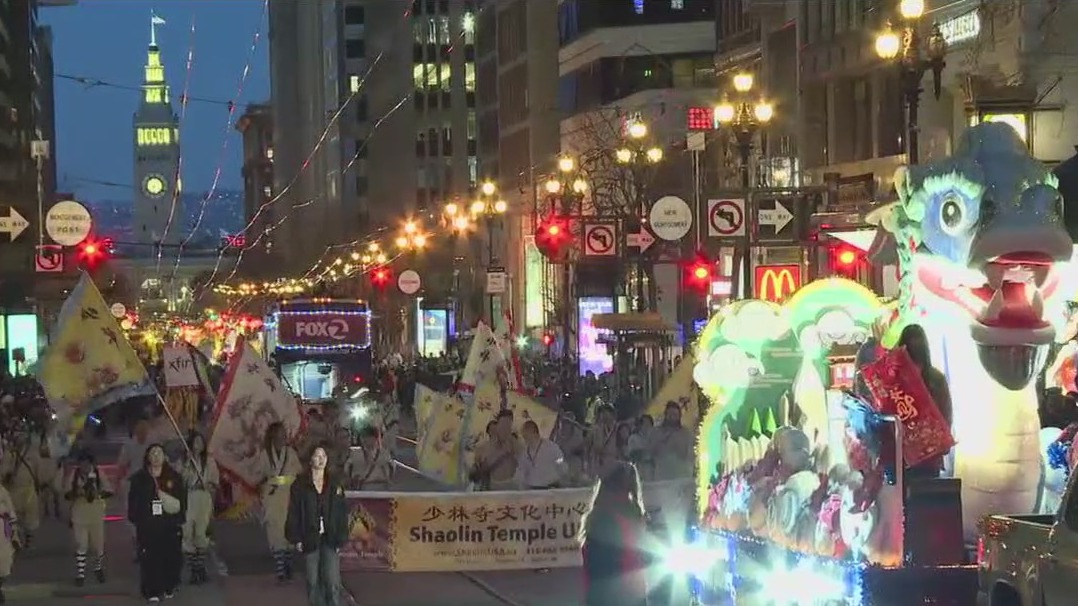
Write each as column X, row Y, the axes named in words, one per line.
column 671, row 446
column 543, row 464
column 318, row 526
column 280, row 465
column 496, row 459
column 370, row 466
column 570, row 438
column 132, row 454
column 600, row 445
column 9, row 539
column 640, row 452
column 202, row 477
column 914, row 339
column 156, row 505
column 88, row 492
column 48, row 473
column 613, row 541
column 20, row 465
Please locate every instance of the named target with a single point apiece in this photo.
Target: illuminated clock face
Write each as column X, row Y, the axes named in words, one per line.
column 154, row 185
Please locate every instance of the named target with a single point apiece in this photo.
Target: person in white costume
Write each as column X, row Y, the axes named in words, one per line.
column 280, row 466
column 202, row 477
column 88, row 492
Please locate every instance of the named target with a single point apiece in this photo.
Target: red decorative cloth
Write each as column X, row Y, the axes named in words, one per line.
column 898, row 389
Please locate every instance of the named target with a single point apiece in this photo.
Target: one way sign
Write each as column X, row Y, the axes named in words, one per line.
column 773, row 217
column 641, row 240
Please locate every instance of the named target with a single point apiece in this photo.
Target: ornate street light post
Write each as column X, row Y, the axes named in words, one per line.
column 488, row 207
column 744, row 116
column 915, row 56
column 637, row 154
column 570, row 187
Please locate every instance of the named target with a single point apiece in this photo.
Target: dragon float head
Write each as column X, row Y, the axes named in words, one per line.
column 981, row 241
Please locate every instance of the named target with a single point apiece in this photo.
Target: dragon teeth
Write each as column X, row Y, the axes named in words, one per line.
column 995, row 306
column 1037, row 302
column 994, row 274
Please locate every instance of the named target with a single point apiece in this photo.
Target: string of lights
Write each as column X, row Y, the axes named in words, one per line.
column 229, row 122
column 310, row 155
column 405, row 19
column 179, row 160
column 90, row 82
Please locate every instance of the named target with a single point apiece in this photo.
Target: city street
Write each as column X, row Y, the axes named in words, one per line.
column 43, row 575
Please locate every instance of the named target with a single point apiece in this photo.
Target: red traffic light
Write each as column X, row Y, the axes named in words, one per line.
column 381, row 276
column 92, row 252
column 846, row 257
column 553, row 237
column 548, row 340
column 698, row 274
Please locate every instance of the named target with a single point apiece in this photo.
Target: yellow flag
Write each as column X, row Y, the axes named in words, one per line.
column 439, row 450
column 680, row 388
column 485, row 408
column 89, row 362
column 425, row 401
column 526, row 409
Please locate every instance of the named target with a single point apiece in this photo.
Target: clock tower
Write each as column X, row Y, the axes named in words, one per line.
column 157, row 158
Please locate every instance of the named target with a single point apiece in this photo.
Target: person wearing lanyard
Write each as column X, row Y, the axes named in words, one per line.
column 156, row 505
column 369, row 467
column 280, row 465
column 318, row 526
column 543, row 465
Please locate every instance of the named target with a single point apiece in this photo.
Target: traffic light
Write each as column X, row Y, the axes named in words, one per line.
column 699, row 274
column 553, row 237
column 92, row 252
column 380, row 277
column 548, row 340
column 845, row 260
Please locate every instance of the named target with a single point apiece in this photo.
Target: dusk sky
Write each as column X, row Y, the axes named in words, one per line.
column 106, row 40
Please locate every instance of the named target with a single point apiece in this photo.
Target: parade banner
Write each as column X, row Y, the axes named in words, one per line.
column 89, row 363
column 453, row 532
column 179, row 366
column 251, row 399
column 438, row 452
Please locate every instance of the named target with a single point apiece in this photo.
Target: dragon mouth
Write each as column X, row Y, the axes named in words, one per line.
column 1005, row 303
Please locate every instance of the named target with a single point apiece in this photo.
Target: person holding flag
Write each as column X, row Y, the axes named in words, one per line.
column 19, row 466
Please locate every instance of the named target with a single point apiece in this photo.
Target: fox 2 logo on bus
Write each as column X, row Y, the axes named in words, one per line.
column 336, row 330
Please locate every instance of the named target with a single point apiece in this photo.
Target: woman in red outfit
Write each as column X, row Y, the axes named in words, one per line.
column 614, row 534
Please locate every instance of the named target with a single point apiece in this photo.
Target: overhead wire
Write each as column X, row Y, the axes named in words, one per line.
column 229, row 122
column 179, row 158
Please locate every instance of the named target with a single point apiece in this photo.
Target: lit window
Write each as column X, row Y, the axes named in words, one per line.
column 638, row 7
column 469, row 77
column 471, row 124
column 269, row 153
column 468, row 23
column 432, row 75
column 418, row 78
column 677, row 4
column 445, row 73
column 153, row 95
column 473, row 170
column 353, row 83
column 267, row 191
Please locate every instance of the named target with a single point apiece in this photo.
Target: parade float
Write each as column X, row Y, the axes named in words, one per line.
column 799, row 486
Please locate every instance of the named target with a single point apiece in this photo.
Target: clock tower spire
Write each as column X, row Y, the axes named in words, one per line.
column 157, row 156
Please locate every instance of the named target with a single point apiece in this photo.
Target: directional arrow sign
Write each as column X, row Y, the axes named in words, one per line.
column 13, row 224
column 778, row 218
column 641, row 239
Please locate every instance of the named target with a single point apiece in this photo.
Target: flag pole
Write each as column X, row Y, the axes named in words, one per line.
column 179, row 432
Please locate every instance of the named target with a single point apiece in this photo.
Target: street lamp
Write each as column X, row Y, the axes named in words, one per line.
column 567, row 189
column 744, row 116
column 488, row 207
column 636, row 152
column 635, row 149
column 915, row 57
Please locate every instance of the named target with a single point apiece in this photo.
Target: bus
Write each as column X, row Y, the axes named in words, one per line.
column 318, row 346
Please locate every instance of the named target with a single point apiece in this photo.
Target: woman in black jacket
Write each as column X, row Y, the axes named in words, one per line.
column 156, row 505
column 318, row 526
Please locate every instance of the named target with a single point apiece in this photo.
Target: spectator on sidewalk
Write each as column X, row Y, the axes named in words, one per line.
column 318, row 526
column 88, row 491
column 156, row 505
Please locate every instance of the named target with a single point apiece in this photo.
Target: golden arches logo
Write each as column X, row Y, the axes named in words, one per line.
column 775, row 283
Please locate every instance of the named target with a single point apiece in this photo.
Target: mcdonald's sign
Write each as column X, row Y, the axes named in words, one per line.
column 776, row 283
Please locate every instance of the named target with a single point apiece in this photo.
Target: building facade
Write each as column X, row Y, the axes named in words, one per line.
column 156, row 139
column 256, row 128
column 26, row 116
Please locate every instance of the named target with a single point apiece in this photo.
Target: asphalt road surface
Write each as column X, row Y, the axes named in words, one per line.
column 243, row 573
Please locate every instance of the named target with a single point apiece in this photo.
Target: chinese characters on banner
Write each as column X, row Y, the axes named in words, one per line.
column 898, row 389
column 428, row 532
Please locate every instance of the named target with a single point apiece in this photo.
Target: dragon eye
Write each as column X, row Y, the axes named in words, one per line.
column 952, row 214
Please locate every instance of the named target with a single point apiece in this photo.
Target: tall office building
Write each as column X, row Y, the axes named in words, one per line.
column 256, row 128
column 158, row 216
column 26, row 115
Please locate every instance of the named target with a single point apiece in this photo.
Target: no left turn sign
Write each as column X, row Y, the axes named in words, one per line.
column 599, row 240
column 726, row 218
